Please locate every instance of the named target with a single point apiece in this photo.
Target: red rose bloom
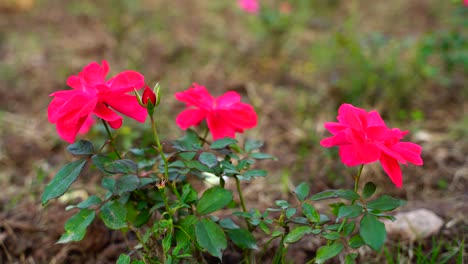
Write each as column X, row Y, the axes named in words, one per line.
column 225, row 115
column 364, row 138
column 72, row 110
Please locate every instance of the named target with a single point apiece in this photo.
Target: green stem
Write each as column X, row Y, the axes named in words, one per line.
column 249, row 256
column 241, row 198
column 356, row 187
column 164, row 158
column 111, row 139
column 205, row 135
column 356, row 179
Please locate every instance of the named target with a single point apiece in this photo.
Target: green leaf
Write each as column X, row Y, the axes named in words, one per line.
column 81, row 147
column 92, row 200
column 310, row 212
column 369, row 190
column 75, row 227
column 213, row 199
column 385, row 203
column 123, row 259
column 348, row 228
column 210, row 237
column 345, row 194
column 252, row 144
column 222, row 143
column 108, row 184
column 332, row 235
column 356, row 242
column 189, row 194
column 208, row 159
column 372, row 232
column 185, row 231
column 190, row 141
column 351, row 258
column 101, row 161
column 327, row 252
column 126, row 183
column 145, row 181
column 227, row 223
column 349, row 211
column 282, row 203
column 261, row 156
column 113, row 215
column 302, row 191
column 324, row 195
column 254, row 173
column 290, row 212
column 124, row 166
column 297, row 234
column 62, row 180
column 242, row 238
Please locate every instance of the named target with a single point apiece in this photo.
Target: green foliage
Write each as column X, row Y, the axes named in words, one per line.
column 148, row 190
column 81, row 147
column 327, row 252
column 372, row 232
column 210, row 237
column 62, row 180
column 113, row 214
column 213, row 200
column 75, row 227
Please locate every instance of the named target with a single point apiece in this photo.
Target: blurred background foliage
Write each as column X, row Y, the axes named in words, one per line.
column 296, row 62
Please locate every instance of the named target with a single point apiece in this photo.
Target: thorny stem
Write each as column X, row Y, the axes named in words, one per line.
column 111, row 139
column 164, row 158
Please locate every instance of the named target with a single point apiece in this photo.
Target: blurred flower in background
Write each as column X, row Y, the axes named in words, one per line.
column 249, row 6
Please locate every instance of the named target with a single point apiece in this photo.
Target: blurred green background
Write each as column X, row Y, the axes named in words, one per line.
column 295, row 62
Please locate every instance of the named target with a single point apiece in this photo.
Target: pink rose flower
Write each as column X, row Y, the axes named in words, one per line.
column 72, row 110
column 249, row 6
column 225, row 115
column 364, row 138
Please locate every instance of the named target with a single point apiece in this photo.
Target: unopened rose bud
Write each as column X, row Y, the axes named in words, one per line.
column 148, row 96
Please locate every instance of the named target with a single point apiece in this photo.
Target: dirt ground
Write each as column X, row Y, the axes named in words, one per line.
column 43, row 42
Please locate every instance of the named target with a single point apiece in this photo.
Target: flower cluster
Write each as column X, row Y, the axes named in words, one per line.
column 364, row 138
column 72, row 110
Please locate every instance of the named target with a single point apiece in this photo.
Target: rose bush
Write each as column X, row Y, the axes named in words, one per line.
column 145, row 190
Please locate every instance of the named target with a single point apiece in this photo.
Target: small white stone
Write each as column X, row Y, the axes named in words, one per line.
column 420, row 223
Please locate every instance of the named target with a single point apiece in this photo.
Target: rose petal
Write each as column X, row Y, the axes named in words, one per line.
column 392, row 168
column 411, row 152
column 93, row 74
column 219, row 128
column 129, row 106
column 337, row 140
column 125, row 82
column 190, row 117
column 226, row 100
column 352, row 116
column 334, row 127
column 196, row 96
column 240, row 116
column 104, row 112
